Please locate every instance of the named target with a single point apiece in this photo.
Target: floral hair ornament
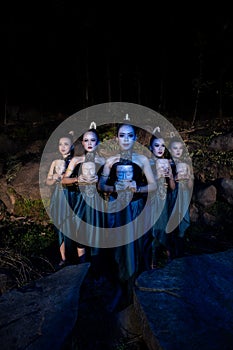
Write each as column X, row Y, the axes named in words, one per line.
column 92, row 125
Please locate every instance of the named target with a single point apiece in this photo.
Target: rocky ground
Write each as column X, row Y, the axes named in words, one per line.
column 101, row 329
column 97, row 328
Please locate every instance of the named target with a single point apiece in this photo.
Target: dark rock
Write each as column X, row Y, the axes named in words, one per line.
column 2, row 210
column 222, row 142
column 207, row 196
column 225, row 190
column 42, row 315
column 188, row 304
column 209, row 220
column 26, row 183
column 194, row 215
column 3, row 283
column 128, row 322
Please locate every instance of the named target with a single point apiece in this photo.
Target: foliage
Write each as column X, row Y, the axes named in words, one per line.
column 23, row 250
column 224, row 212
column 30, row 208
column 26, row 237
column 207, row 162
column 14, row 168
column 19, row 267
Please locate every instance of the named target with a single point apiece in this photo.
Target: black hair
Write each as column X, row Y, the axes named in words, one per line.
column 123, row 124
column 155, row 137
column 94, row 132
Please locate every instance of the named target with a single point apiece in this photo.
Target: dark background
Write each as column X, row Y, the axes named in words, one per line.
column 64, row 56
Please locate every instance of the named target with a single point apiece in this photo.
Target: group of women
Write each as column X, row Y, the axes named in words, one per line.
column 116, row 209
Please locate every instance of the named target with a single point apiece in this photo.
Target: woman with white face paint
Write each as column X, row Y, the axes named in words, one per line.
column 58, row 199
column 82, row 176
column 128, row 178
column 157, row 238
column 180, row 198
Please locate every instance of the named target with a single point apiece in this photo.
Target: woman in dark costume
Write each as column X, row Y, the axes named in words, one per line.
column 128, row 178
column 160, row 201
column 58, row 198
column 82, row 176
column 179, row 198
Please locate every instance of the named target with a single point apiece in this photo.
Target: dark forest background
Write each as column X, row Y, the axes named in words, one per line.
column 63, row 56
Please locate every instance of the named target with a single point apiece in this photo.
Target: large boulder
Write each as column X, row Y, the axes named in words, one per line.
column 222, row 142
column 187, row 304
column 225, row 190
column 42, row 316
column 207, row 195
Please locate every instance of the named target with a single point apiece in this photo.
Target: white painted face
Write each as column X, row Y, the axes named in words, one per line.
column 176, row 149
column 64, row 146
column 158, row 147
column 182, row 170
column 126, row 137
column 124, row 172
column 88, row 169
column 162, row 165
column 89, row 141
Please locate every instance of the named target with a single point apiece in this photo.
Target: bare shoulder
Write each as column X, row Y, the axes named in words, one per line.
column 111, row 160
column 76, row 160
column 53, row 162
column 141, row 159
column 99, row 159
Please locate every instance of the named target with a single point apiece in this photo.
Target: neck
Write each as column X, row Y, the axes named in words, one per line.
column 90, row 156
column 66, row 155
column 177, row 159
column 126, row 155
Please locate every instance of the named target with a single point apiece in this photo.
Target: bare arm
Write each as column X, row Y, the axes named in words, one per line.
column 67, row 179
column 151, row 184
column 102, row 185
column 171, row 181
column 51, row 178
column 99, row 160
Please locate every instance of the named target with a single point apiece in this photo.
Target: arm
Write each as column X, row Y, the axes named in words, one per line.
column 171, row 181
column 151, row 184
column 67, row 179
column 102, row 185
column 99, row 160
column 51, row 177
